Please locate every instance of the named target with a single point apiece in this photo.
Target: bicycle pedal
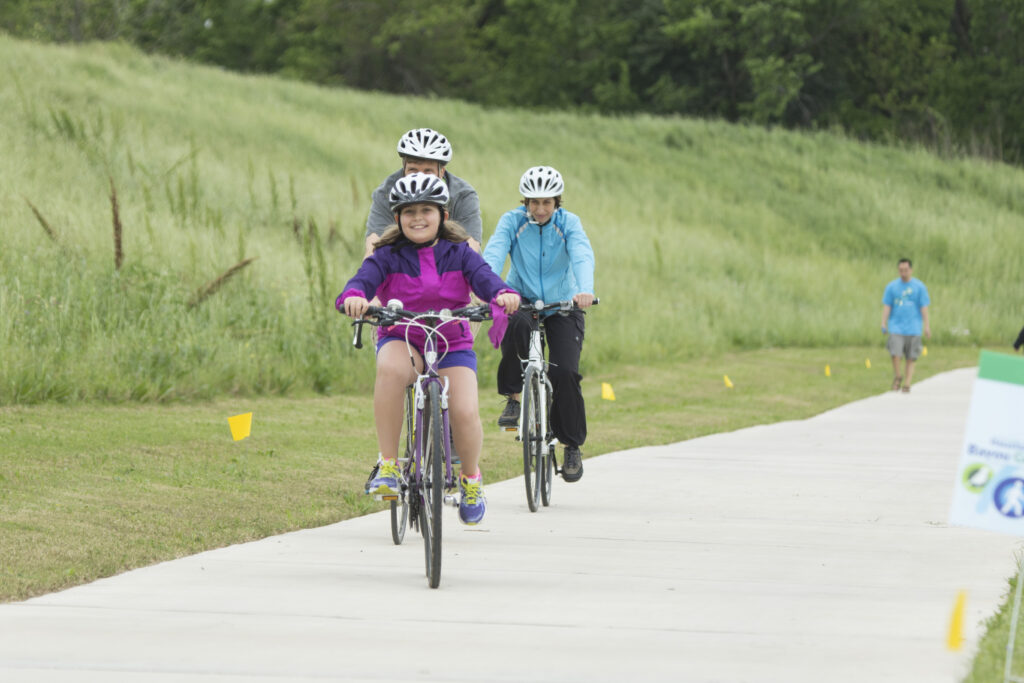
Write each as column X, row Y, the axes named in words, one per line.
column 450, row 499
column 386, row 497
column 510, row 429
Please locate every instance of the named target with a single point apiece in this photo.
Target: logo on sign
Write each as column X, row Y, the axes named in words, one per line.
column 977, row 476
column 1009, row 497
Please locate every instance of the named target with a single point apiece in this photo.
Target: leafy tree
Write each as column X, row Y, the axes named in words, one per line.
column 72, row 21
column 982, row 94
column 947, row 72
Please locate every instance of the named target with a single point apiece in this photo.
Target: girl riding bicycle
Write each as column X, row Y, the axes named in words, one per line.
column 426, row 262
column 552, row 260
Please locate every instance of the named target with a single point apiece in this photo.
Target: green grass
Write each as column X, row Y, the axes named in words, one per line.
column 990, row 660
column 708, row 236
column 90, row 490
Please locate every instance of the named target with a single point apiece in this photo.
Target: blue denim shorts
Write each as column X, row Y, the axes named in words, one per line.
column 465, row 358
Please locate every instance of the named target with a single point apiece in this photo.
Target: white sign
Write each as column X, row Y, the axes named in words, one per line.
column 989, row 488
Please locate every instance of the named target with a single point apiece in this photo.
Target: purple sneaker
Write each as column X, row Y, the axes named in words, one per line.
column 472, row 504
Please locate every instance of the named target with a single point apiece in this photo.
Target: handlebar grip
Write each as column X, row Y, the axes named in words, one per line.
column 475, row 313
column 357, row 339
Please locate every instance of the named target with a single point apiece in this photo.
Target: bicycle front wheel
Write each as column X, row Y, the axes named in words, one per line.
column 433, row 485
column 533, row 438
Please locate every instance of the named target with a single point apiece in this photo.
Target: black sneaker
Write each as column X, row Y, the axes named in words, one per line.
column 509, row 416
column 572, row 468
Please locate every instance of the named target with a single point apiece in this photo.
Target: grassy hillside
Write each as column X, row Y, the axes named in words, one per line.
column 708, row 236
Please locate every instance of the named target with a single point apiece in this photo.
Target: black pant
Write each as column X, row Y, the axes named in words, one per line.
column 564, row 339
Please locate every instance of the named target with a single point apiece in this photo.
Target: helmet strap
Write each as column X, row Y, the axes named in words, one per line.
column 444, row 215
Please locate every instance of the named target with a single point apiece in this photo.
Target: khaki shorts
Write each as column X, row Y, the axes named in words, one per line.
column 904, row 345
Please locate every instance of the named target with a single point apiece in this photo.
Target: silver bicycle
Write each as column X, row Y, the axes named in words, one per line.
column 534, row 430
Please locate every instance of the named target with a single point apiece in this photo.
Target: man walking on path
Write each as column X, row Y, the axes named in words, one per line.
column 904, row 314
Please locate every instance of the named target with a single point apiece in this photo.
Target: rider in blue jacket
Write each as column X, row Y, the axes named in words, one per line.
column 552, row 260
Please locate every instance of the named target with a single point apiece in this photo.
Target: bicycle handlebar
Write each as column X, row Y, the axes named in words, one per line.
column 384, row 316
column 569, row 305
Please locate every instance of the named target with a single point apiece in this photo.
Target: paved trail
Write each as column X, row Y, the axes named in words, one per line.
column 815, row 550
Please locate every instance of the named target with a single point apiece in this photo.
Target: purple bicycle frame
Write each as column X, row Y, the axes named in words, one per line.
column 429, row 376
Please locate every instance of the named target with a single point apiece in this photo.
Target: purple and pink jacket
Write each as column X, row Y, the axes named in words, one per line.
column 429, row 278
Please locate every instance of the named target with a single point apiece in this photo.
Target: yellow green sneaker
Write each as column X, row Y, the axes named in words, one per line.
column 386, row 481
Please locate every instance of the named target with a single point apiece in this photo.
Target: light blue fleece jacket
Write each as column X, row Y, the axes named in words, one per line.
column 551, row 262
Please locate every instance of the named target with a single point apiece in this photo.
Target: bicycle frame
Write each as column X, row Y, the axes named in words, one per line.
column 430, row 375
column 539, row 364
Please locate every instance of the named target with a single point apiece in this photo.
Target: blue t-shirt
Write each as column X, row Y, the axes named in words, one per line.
column 906, row 300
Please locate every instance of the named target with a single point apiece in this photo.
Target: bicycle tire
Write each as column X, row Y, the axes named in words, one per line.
column 547, row 476
column 399, row 519
column 548, row 466
column 433, row 485
column 533, row 439
column 400, row 509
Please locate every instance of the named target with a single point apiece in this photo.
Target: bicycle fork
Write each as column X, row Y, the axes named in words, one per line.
column 446, row 431
column 536, row 361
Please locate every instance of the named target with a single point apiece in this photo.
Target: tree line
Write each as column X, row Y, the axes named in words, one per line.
column 947, row 73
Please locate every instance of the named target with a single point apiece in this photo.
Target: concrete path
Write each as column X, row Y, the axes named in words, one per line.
column 815, row 550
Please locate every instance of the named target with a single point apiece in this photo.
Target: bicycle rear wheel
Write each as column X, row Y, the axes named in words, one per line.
column 433, row 485
column 400, row 508
column 533, row 438
column 548, row 464
column 399, row 519
column 547, row 475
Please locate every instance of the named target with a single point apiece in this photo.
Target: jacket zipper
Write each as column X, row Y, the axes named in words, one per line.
column 540, row 264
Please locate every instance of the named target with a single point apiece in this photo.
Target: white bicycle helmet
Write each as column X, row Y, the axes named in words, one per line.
column 541, row 181
column 425, row 143
column 418, row 188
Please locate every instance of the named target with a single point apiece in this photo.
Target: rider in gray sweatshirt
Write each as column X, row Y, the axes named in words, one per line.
column 424, row 150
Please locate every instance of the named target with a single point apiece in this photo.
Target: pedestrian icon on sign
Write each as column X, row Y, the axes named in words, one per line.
column 1009, row 497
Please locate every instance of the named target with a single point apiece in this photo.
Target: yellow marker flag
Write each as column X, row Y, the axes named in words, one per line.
column 955, row 641
column 828, row 371
column 606, row 392
column 728, row 382
column 867, row 363
column 924, row 350
column 240, row 425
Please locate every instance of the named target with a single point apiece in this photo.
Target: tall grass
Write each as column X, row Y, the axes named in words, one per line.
column 708, row 236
